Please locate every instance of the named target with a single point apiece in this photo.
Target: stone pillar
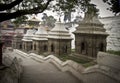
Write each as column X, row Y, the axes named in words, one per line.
column 1, row 44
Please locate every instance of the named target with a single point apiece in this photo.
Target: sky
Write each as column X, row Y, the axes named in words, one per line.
column 103, row 12
column 102, row 7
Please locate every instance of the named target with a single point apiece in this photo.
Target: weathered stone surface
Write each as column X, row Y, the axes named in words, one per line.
column 112, row 26
column 109, row 60
column 17, row 41
column 59, row 40
column 99, row 73
column 27, row 40
column 90, row 36
column 11, row 74
column 40, row 41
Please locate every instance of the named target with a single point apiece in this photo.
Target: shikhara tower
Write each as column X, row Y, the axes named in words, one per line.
column 90, row 36
column 40, row 41
column 59, row 40
column 27, row 40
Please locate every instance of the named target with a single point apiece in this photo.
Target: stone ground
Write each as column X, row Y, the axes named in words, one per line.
column 42, row 72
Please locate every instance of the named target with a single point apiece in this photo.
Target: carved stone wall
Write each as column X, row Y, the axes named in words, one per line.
column 59, row 46
column 112, row 26
column 40, row 47
column 27, row 46
column 89, row 44
column 17, row 42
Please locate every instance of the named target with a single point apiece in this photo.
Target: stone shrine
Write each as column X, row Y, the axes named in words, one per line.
column 90, row 36
column 40, row 41
column 59, row 40
column 27, row 40
column 17, row 41
column 33, row 22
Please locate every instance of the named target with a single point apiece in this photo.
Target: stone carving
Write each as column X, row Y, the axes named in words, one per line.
column 11, row 73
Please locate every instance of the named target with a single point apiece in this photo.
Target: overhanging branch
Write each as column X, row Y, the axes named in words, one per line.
column 39, row 9
column 9, row 6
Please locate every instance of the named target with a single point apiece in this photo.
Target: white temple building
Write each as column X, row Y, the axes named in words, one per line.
column 40, row 41
column 59, row 40
column 27, row 40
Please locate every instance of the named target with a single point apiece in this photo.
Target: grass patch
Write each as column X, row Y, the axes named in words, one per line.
column 72, row 50
column 89, row 64
column 114, row 52
column 81, row 60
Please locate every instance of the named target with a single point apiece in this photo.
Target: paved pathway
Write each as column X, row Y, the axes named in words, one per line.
column 43, row 72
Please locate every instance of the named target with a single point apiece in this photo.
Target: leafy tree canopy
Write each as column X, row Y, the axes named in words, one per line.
column 114, row 6
column 15, row 8
column 20, row 20
column 48, row 20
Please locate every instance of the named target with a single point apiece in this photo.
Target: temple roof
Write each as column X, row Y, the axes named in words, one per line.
column 59, row 32
column 29, row 35
column 41, row 34
column 18, row 34
column 91, row 25
column 34, row 19
column 28, row 26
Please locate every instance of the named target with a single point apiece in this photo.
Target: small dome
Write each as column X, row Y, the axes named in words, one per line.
column 41, row 34
column 29, row 35
column 89, row 19
column 59, row 32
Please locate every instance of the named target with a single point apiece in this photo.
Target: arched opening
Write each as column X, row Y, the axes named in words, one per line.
column 34, row 46
column 65, row 49
column 101, row 47
column 20, row 46
column 31, row 47
column 52, row 48
column 83, row 48
column 45, row 47
column 24, row 45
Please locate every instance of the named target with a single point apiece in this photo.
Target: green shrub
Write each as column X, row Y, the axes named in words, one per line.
column 114, row 52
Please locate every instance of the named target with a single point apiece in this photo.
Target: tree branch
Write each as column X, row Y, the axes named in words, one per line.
column 39, row 9
column 9, row 6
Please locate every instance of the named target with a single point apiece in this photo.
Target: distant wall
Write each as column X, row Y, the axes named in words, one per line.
column 112, row 26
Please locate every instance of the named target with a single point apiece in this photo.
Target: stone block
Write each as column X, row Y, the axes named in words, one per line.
column 109, row 60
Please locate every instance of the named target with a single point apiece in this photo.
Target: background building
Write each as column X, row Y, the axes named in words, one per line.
column 112, row 26
column 7, row 32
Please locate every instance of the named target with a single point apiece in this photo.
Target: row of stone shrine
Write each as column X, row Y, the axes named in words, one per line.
column 90, row 37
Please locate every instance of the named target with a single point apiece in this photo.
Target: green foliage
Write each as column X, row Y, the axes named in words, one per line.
column 25, row 4
column 23, row 7
column 81, row 60
column 48, row 20
column 92, row 10
column 114, row 52
column 20, row 20
column 114, row 6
